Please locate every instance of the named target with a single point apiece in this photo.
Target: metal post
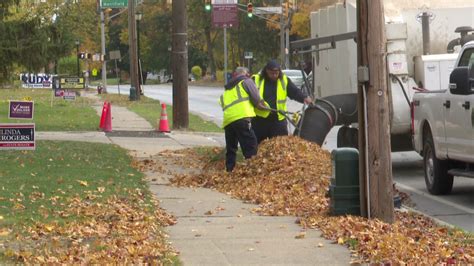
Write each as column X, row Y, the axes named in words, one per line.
column 282, row 37
column 225, row 55
column 287, row 47
column 77, row 57
column 425, row 26
column 118, row 77
column 102, row 40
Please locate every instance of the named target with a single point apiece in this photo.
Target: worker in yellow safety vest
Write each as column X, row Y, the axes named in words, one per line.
column 238, row 102
column 274, row 87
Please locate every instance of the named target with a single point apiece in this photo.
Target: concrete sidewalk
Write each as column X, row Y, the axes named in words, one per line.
column 212, row 228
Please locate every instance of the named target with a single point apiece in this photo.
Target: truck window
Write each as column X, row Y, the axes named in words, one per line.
column 467, row 58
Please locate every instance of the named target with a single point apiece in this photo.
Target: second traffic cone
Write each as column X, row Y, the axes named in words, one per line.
column 103, row 115
column 108, row 119
column 164, row 127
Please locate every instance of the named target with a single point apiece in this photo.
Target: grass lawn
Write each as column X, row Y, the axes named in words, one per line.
column 37, row 184
column 150, row 109
column 51, row 114
column 79, row 203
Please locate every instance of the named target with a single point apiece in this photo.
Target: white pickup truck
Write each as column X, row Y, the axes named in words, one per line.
column 443, row 126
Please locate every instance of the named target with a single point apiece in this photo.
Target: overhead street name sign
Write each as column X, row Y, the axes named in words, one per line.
column 113, row 3
column 267, row 10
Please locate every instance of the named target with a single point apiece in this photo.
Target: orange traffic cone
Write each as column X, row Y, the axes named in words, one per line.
column 108, row 119
column 164, row 120
column 103, row 115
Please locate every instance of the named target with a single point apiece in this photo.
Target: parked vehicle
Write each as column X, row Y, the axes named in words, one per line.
column 410, row 68
column 295, row 75
column 443, row 126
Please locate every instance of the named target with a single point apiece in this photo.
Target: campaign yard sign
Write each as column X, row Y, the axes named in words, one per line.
column 20, row 109
column 69, row 95
column 17, row 136
column 36, row 81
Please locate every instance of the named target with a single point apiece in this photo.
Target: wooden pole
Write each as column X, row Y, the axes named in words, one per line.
column 179, row 62
column 132, row 41
column 374, row 124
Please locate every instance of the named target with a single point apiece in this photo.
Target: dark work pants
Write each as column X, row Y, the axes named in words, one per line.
column 270, row 127
column 239, row 132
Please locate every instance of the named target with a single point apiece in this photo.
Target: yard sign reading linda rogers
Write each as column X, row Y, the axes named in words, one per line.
column 17, row 136
column 20, row 109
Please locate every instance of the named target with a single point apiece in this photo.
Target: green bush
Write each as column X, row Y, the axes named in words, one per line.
column 67, row 66
column 196, row 71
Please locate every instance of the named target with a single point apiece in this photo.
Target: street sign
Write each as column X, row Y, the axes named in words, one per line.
column 113, row 3
column 225, row 16
column 224, row 2
column 248, row 55
column 267, row 10
column 115, row 55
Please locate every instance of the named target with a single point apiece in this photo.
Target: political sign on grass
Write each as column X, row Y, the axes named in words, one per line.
column 37, row 81
column 17, row 136
column 20, row 109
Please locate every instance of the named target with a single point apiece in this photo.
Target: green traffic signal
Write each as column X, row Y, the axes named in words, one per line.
column 207, row 7
column 249, row 15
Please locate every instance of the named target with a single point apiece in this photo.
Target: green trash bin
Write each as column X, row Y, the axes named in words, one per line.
column 133, row 94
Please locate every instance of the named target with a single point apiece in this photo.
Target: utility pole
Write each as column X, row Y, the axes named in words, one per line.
column 179, row 62
column 282, row 37
column 102, row 41
column 375, row 169
column 132, row 42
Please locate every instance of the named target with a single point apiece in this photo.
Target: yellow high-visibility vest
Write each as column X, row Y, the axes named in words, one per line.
column 236, row 104
column 281, row 95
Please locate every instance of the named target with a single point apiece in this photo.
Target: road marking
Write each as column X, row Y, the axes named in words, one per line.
column 452, row 204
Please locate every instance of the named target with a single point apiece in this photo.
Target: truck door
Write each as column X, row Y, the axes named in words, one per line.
column 459, row 119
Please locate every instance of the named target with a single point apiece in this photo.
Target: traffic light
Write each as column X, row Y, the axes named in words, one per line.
column 84, row 56
column 207, row 5
column 249, row 10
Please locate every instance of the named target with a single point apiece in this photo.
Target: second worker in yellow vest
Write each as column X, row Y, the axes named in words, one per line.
column 238, row 102
column 274, row 87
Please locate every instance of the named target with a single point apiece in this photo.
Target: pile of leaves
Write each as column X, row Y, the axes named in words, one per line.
column 290, row 176
column 118, row 230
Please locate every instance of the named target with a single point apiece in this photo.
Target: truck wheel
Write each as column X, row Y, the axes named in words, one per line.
column 347, row 137
column 437, row 179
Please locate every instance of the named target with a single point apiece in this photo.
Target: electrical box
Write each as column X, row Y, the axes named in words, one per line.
column 432, row 71
column 344, row 188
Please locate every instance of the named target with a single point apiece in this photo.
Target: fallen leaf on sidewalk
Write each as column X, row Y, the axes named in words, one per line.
column 301, row 235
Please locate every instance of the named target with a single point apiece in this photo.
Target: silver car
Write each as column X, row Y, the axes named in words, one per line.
column 295, row 75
